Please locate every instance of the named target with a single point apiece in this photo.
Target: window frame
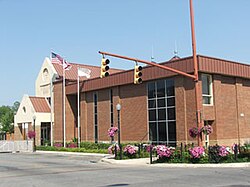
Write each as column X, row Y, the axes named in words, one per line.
column 210, row 90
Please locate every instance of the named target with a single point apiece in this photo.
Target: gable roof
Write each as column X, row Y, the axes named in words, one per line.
column 72, row 73
column 40, row 104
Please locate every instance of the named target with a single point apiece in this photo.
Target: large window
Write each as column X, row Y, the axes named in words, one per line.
column 111, row 108
column 161, row 112
column 95, row 117
column 207, row 92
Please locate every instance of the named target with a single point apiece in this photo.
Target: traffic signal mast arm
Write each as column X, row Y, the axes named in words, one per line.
column 150, row 63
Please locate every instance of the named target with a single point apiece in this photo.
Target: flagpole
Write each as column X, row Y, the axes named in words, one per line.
column 64, row 117
column 51, row 105
column 78, row 107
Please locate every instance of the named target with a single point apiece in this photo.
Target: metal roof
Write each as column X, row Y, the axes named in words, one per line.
column 205, row 64
column 40, row 104
column 72, row 73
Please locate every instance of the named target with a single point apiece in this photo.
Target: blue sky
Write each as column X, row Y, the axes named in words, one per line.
column 78, row 29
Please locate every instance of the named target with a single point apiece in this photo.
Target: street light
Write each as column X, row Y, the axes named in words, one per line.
column 34, row 128
column 118, row 108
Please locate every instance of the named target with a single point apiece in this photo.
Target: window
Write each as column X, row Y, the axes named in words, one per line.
column 207, row 95
column 111, row 108
column 95, row 118
column 161, row 112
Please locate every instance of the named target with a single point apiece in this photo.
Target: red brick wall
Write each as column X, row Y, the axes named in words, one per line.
column 58, row 110
column 71, row 115
column 228, row 125
column 134, row 115
column 134, row 106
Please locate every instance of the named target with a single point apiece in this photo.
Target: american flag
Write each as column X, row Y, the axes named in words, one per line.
column 57, row 59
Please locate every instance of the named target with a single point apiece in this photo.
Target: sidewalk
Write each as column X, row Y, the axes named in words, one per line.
column 109, row 159
column 146, row 162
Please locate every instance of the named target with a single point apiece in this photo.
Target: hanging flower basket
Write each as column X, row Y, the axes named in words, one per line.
column 112, row 131
column 31, row 134
column 194, row 132
column 207, row 129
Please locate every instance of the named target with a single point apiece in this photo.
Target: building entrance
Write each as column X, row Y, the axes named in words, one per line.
column 45, row 133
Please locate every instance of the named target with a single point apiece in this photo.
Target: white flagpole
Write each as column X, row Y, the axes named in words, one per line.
column 64, row 117
column 78, row 107
column 51, row 105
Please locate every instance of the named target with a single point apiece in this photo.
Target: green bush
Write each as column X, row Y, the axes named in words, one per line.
column 213, row 154
column 91, row 145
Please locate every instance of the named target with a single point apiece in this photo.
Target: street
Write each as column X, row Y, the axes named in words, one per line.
column 47, row 170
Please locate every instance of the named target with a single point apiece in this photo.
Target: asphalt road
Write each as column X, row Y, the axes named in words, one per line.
column 47, row 170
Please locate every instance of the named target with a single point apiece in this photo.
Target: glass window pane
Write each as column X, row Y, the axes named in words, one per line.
column 95, row 119
column 171, row 131
column 161, row 114
column 162, row 131
column 152, row 115
column 152, row 132
column 151, row 90
column 161, row 103
column 171, row 101
column 206, row 100
column 152, row 103
column 96, row 134
column 205, row 84
column 171, row 113
column 170, row 87
column 160, row 88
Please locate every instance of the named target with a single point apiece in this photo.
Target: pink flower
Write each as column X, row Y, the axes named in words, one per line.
column 194, row 131
column 207, row 129
column 164, row 151
column 130, row 150
column 223, row 151
column 196, row 152
column 111, row 149
column 31, row 134
column 112, row 131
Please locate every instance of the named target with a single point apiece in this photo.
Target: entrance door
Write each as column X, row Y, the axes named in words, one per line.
column 45, row 133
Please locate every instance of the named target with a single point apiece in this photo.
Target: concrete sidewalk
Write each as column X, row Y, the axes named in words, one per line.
column 109, row 159
column 146, row 162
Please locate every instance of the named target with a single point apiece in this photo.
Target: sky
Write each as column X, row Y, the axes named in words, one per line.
column 78, row 29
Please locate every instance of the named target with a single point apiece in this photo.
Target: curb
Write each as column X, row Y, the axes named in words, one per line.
column 71, row 153
column 145, row 162
column 109, row 159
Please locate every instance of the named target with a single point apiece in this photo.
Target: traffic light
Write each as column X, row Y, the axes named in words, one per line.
column 104, row 68
column 137, row 75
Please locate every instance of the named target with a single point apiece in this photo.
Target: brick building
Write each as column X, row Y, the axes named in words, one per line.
column 162, row 108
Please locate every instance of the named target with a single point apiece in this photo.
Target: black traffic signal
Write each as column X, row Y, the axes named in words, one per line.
column 104, row 68
column 137, row 75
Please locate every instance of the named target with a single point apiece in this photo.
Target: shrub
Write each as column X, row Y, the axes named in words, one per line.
column 164, row 153
column 218, row 153
column 58, row 144
column 196, row 153
column 130, row 151
column 72, row 145
column 111, row 149
column 92, row 145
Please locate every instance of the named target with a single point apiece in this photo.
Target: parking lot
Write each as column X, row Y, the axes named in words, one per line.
column 45, row 170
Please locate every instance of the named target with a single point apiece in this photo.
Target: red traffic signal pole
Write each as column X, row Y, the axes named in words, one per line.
column 149, row 63
column 198, row 96
column 195, row 76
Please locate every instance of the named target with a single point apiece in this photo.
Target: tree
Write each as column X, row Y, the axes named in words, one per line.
column 7, row 117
